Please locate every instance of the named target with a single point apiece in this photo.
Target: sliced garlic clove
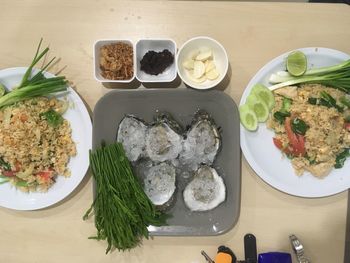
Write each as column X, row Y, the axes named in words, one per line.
column 212, row 74
column 198, row 80
column 209, row 66
column 204, row 55
column 198, row 69
column 188, row 64
column 194, row 54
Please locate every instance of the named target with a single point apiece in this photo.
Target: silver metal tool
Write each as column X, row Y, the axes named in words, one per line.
column 298, row 249
column 207, row 257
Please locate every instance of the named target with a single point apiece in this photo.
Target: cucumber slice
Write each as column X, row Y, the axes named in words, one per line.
column 248, row 117
column 264, row 94
column 258, row 106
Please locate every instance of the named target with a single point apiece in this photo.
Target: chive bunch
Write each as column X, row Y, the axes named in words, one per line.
column 37, row 85
column 122, row 210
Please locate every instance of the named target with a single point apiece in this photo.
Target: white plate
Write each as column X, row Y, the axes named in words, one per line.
column 80, row 122
column 267, row 161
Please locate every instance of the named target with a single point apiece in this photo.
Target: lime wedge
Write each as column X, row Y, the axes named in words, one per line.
column 2, row 90
column 264, row 94
column 258, row 106
column 248, row 117
column 296, row 63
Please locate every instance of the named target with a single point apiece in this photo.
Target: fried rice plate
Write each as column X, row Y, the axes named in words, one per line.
column 34, row 151
column 326, row 136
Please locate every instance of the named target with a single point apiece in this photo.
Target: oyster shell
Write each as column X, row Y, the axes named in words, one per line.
column 206, row 190
column 159, row 183
column 131, row 133
column 202, row 142
column 162, row 139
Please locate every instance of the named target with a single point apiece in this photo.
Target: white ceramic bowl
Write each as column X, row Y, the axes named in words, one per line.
column 158, row 45
column 202, row 43
column 96, row 56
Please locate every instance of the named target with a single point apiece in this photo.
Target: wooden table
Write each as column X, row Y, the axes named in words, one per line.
column 253, row 34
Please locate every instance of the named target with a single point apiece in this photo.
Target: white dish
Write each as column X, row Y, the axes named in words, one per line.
column 267, row 161
column 202, row 44
column 96, row 57
column 80, row 122
column 158, row 45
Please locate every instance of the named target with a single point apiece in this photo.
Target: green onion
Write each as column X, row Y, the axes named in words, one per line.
column 4, row 165
column 336, row 76
column 53, row 118
column 345, row 101
column 36, row 86
column 122, row 209
column 281, row 115
column 21, row 183
column 326, row 100
column 340, row 158
column 299, row 126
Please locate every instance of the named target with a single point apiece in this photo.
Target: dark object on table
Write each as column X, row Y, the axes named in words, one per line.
column 154, row 63
column 250, row 251
column 278, row 257
column 330, row 1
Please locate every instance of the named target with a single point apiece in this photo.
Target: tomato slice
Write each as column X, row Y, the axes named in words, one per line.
column 8, row 173
column 17, row 166
column 347, row 126
column 46, row 175
column 300, row 148
column 278, row 143
column 297, row 141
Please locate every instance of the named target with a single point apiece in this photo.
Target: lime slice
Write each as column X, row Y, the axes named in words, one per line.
column 296, row 63
column 264, row 94
column 2, row 90
column 258, row 106
column 248, row 117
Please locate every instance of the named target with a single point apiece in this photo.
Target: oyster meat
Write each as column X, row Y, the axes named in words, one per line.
column 162, row 140
column 206, row 190
column 159, row 183
column 132, row 133
column 202, row 142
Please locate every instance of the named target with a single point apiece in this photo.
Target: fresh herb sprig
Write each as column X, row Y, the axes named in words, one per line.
column 37, row 85
column 341, row 157
column 337, row 76
column 122, row 209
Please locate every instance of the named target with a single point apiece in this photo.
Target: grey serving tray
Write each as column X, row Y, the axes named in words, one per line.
column 182, row 104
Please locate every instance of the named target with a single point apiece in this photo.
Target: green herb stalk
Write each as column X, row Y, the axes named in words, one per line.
column 122, row 209
column 336, row 76
column 37, row 85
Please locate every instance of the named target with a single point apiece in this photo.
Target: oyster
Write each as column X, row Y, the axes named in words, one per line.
column 206, row 190
column 202, row 142
column 159, row 183
column 131, row 133
column 162, row 139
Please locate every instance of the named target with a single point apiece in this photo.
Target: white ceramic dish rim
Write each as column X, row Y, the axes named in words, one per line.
column 258, row 167
column 214, row 83
column 174, row 64
column 78, row 164
column 103, row 80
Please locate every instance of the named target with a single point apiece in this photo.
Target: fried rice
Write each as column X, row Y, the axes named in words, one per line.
column 35, row 151
column 326, row 136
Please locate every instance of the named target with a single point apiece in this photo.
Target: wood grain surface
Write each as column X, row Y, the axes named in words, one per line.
column 253, row 34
